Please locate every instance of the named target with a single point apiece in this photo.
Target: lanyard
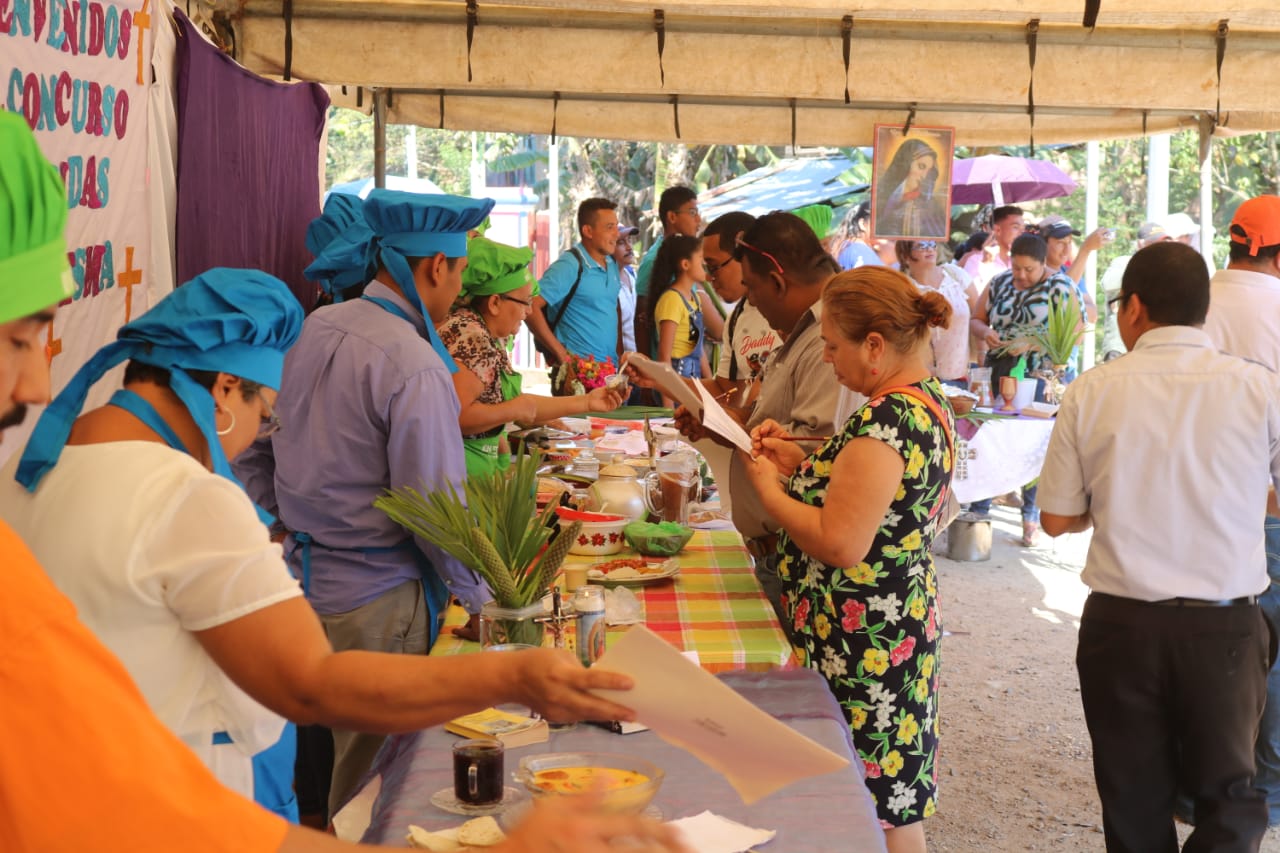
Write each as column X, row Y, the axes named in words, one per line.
column 431, row 336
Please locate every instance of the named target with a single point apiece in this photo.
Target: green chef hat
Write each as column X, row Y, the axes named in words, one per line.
column 494, row 267
column 818, row 217
column 34, row 273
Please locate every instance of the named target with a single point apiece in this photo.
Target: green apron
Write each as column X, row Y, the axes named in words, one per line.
column 483, row 454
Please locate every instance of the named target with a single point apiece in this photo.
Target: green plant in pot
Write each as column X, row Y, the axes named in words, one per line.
column 1054, row 342
column 494, row 529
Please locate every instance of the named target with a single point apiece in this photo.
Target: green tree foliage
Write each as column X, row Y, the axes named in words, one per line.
column 1241, row 167
column 444, row 156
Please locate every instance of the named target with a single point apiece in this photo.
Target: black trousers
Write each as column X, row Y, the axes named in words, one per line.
column 1172, row 698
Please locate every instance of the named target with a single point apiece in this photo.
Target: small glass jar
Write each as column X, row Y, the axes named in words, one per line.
column 507, row 625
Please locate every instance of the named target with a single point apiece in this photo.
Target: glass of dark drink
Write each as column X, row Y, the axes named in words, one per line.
column 477, row 771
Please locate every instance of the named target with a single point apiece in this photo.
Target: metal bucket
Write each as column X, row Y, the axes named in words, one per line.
column 969, row 539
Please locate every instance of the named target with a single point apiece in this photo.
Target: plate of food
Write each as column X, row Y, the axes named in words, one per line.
column 632, row 571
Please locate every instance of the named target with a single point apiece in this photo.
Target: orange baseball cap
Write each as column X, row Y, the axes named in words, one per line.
column 1257, row 223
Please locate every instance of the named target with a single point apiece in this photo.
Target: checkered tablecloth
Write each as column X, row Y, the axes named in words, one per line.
column 714, row 606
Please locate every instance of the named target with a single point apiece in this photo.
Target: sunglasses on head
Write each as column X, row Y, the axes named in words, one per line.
column 740, row 245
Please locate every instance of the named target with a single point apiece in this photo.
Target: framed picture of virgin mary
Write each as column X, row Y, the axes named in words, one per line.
column 911, row 183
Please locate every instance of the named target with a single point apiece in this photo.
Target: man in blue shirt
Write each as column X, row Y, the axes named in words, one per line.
column 576, row 314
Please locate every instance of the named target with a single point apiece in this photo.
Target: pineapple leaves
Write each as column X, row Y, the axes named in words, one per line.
column 493, row 528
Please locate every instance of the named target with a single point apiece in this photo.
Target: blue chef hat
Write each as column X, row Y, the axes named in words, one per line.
column 240, row 322
column 354, row 258
column 410, row 225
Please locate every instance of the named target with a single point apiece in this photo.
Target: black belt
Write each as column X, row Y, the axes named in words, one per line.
column 1242, row 601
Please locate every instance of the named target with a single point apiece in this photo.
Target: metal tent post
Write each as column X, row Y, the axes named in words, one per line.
column 380, row 138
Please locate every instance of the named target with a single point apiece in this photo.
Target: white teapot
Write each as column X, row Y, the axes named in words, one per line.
column 619, row 491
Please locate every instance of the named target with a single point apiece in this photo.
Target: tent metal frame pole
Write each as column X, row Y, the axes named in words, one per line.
column 380, row 138
column 1179, row 33
column 1042, row 109
column 1092, row 196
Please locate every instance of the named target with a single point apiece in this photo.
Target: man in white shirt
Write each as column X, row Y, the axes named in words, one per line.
column 1244, row 320
column 1112, row 346
column 1173, row 649
column 625, row 254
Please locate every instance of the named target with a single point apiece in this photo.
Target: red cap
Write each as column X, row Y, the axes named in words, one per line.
column 1259, row 221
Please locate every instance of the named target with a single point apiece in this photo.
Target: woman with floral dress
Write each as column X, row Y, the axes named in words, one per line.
column 859, row 515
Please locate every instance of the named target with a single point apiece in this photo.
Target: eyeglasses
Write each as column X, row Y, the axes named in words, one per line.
column 527, row 303
column 926, row 244
column 739, row 244
column 270, row 421
column 1118, row 299
column 713, row 268
column 692, row 211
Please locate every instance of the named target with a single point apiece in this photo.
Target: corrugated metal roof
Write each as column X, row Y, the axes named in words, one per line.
column 785, row 185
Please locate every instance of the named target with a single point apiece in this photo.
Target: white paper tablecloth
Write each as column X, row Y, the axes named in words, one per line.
column 1003, row 456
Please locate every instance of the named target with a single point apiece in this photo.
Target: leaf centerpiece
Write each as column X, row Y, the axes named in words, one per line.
column 493, row 528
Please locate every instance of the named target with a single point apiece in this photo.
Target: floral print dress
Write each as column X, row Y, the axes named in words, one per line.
column 873, row 629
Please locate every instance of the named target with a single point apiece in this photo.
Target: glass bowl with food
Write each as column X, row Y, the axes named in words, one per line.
column 623, row 784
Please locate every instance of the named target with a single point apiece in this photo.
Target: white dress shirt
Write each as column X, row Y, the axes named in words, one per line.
column 1244, row 315
column 1168, row 448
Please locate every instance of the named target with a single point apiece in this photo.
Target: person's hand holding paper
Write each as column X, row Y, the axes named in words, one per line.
column 693, row 397
column 689, row 707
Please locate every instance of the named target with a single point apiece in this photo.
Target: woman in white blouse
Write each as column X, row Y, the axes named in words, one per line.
column 919, row 260
column 133, row 513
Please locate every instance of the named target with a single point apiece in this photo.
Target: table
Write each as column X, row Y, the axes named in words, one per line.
column 714, row 606
column 831, row 812
column 998, row 456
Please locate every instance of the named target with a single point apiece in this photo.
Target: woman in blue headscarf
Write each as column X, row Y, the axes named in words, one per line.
column 135, row 516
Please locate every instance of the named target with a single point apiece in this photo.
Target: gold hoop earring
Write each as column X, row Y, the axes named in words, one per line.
column 230, row 426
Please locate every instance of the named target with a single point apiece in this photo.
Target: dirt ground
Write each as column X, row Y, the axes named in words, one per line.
column 1015, row 765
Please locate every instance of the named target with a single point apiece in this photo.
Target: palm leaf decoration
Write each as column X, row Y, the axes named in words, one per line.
column 492, row 528
column 1054, row 340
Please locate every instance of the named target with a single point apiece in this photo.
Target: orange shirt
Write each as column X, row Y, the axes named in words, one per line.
column 85, row 764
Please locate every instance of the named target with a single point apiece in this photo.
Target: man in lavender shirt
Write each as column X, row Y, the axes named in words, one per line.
column 366, row 404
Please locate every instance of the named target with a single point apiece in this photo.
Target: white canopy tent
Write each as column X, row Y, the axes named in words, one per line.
column 751, row 71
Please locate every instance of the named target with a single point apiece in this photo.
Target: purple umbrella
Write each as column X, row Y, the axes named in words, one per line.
column 998, row 179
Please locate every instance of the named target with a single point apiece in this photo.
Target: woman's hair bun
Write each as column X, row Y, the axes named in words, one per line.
column 934, row 308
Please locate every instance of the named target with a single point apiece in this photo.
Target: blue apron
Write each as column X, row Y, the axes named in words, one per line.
column 691, row 364
column 273, row 766
column 433, row 589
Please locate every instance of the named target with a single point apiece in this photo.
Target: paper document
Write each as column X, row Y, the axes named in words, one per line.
column 691, row 708
column 721, row 422
column 696, row 399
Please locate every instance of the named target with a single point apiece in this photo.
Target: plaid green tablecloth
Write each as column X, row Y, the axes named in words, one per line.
column 714, row 606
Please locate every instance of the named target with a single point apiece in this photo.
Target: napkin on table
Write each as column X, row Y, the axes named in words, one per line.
column 711, row 833
column 621, row 607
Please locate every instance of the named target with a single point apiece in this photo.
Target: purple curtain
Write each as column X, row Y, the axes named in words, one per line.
column 248, row 166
